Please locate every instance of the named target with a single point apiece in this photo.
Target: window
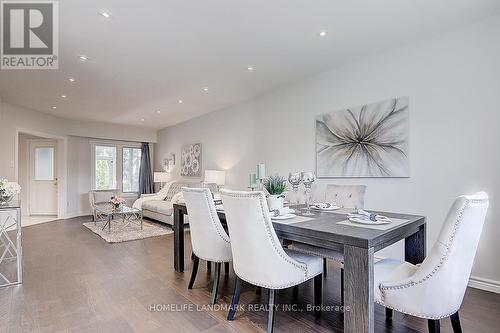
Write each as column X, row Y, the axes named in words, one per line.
column 105, row 167
column 44, row 163
column 131, row 165
column 116, row 166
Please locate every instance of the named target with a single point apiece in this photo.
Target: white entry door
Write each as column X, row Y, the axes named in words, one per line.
column 43, row 178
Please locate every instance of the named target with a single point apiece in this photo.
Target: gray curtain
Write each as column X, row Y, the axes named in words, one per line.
column 145, row 175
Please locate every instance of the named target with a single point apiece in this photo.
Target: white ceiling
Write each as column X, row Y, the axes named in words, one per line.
column 152, row 53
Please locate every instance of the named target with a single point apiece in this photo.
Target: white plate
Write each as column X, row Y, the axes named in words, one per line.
column 326, row 209
column 283, row 217
column 367, row 221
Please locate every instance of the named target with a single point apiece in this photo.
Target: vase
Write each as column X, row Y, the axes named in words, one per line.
column 5, row 199
column 275, row 201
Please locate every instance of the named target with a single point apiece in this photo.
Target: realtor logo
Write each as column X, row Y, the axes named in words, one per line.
column 29, row 35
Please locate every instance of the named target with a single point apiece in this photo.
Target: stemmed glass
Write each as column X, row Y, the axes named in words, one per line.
column 295, row 179
column 308, row 178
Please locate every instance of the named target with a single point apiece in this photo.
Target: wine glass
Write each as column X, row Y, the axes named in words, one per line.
column 295, row 179
column 308, row 178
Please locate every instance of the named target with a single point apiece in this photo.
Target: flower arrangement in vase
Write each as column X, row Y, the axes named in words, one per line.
column 8, row 190
column 275, row 186
column 117, row 201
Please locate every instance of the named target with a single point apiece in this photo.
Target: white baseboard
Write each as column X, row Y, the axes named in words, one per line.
column 77, row 214
column 484, row 284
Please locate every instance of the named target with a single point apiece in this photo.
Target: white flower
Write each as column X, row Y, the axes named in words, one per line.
column 9, row 188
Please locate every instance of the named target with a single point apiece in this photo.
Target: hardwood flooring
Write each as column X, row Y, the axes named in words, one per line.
column 76, row 282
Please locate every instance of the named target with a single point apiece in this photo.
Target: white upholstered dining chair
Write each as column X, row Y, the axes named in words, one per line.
column 258, row 257
column 345, row 196
column 209, row 240
column 435, row 289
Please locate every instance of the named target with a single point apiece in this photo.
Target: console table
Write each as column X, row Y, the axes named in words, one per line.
column 11, row 271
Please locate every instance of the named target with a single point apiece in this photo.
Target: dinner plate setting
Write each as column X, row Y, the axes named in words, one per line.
column 284, row 213
column 365, row 217
column 324, row 206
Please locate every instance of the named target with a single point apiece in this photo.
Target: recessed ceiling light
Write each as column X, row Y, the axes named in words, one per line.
column 71, row 79
column 158, row 111
column 83, row 57
column 53, row 107
column 63, row 96
column 205, row 89
column 180, row 101
column 105, row 14
column 250, row 68
column 322, row 33
column 142, row 119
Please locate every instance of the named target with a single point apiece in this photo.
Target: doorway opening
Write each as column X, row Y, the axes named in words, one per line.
column 38, row 175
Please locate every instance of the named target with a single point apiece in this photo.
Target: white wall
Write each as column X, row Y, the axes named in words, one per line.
column 453, row 81
column 71, row 133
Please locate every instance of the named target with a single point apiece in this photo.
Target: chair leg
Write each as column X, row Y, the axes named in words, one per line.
column 194, row 270
column 270, row 311
column 236, row 299
column 342, row 285
column 226, row 270
column 215, row 287
column 434, row 326
column 318, row 295
column 455, row 323
column 388, row 313
column 209, row 266
column 325, row 266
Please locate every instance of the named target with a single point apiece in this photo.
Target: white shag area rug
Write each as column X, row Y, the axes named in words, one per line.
column 120, row 232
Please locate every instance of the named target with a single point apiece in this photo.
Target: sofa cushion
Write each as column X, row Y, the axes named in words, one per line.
column 160, row 207
column 175, row 188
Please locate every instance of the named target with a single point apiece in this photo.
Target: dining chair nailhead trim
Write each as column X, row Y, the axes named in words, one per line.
column 294, row 262
column 283, row 286
column 436, row 269
column 216, row 225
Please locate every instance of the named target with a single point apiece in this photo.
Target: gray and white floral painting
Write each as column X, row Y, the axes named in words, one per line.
column 365, row 141
column 191, row 160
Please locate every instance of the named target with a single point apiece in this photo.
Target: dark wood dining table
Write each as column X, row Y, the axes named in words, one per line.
column 358, row 244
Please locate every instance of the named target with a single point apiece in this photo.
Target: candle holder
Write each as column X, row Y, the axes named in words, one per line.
column 308, row 178
column 295, row 179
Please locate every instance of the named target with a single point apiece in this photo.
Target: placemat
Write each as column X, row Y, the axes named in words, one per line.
column 394, row 223
column 336, row 211
column 294, row 220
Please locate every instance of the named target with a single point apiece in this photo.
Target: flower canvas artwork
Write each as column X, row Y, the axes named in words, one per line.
column 191, row 158
column 365, row 141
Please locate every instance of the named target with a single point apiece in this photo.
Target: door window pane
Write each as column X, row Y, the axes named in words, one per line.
column 131, row 165
column 44, row 163
column 105, row 167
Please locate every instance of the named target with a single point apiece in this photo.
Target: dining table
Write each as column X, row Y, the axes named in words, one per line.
column 332, row 230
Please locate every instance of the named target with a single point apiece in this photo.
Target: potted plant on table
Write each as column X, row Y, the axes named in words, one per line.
column 275, row 187
column 8, row 190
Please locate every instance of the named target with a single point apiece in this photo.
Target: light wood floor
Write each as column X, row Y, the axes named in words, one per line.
column 76, row 282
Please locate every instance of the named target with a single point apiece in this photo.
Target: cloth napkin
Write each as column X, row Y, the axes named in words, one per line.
column 363, row 214
column 322, row 205
column 281, row 211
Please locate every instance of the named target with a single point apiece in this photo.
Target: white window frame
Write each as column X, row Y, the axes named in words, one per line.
column 119, row 145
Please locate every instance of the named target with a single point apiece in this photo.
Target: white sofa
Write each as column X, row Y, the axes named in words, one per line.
column 159, row 206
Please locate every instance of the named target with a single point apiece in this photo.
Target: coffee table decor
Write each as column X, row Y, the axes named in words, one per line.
column 123, row 223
